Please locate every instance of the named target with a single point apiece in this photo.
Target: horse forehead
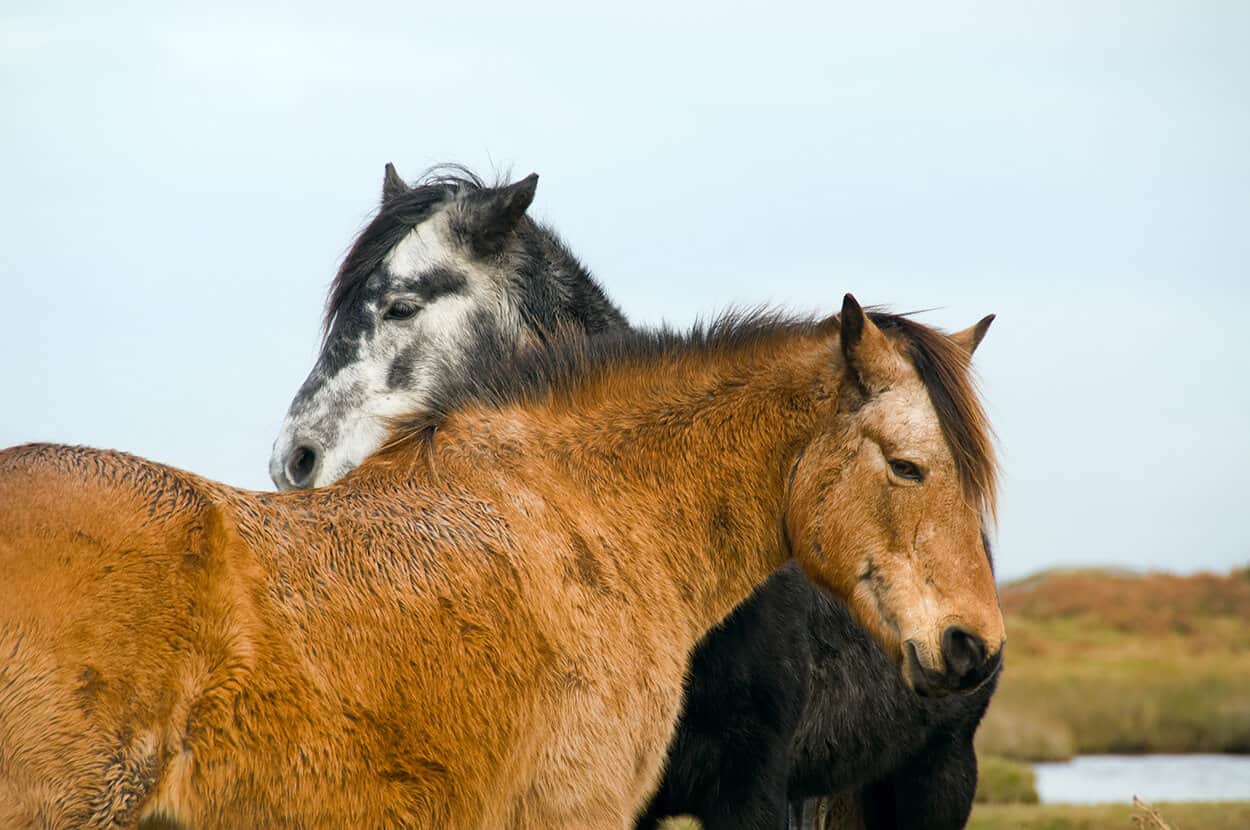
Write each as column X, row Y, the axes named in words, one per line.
column 426, row 247
column 906, row 416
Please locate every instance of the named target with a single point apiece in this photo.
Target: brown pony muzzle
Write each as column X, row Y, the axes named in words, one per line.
column 967, row 663
column 940, row 648
column 948, row 621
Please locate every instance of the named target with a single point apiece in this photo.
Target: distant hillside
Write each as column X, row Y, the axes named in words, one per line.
column 1152, row 603
column 1109, row 661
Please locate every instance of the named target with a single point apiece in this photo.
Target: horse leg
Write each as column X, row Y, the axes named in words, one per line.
column 794, row 815
column 835, row 812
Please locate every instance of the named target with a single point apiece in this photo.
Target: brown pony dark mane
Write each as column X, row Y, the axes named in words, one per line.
column 501, row 375
column 944, row 367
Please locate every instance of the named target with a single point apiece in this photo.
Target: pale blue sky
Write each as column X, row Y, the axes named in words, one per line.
column 179, row 186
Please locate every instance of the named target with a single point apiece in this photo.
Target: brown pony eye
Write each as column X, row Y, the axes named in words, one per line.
column 401, row 310
column 906, row 469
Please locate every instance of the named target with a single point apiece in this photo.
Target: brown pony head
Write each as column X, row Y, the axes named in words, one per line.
column 888, row 506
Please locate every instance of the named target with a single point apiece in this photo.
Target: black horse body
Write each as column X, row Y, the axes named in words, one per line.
column 864, row 731
column 790, row 699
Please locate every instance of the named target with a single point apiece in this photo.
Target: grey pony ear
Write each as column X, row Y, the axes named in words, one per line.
column 488, row 216
column 392, row 184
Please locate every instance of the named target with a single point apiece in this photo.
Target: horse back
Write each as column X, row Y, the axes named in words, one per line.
column 112, row 636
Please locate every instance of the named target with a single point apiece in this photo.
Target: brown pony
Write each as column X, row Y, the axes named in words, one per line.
column 486, row 625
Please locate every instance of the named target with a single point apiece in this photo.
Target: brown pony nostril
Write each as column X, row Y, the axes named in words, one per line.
column 301, row 465
column 925, row 682
column 963, row 652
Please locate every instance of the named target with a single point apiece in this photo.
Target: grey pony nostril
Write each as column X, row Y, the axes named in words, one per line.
column 963, row 651
column 302, row 464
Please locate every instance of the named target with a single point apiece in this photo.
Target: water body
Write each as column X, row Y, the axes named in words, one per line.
column 1096, row 779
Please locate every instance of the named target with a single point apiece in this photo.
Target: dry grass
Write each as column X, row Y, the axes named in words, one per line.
column 1112, row 662
column 1225, row 816
column 1147, row 817
column 1153, row 605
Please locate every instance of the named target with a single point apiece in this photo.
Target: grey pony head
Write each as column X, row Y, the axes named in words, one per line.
column 448, row 268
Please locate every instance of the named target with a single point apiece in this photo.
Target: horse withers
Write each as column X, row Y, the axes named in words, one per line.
column 487, row 624
column 788, row 698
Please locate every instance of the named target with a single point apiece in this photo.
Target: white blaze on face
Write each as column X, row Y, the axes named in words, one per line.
column 904, row 416
column 347, row 415
column 904, row 423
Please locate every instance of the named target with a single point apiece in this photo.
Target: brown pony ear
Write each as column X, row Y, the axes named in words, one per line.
column 867, row 351
column 971, row 337
column 392, row 184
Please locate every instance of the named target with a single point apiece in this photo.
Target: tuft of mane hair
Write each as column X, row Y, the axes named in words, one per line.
column 500, row 374
column 394, row 219
column 946, row 370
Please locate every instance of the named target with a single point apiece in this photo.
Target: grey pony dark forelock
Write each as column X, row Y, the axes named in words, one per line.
column 401, row 211
column 549, row 287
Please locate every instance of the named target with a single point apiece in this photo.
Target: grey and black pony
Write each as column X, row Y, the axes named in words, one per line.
column 789, row 698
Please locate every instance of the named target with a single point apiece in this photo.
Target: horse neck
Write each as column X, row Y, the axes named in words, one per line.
column 557, row 290
column 684, row 466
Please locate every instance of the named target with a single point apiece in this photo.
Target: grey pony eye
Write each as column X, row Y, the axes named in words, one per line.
column 401, row 310
column 906, row 469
